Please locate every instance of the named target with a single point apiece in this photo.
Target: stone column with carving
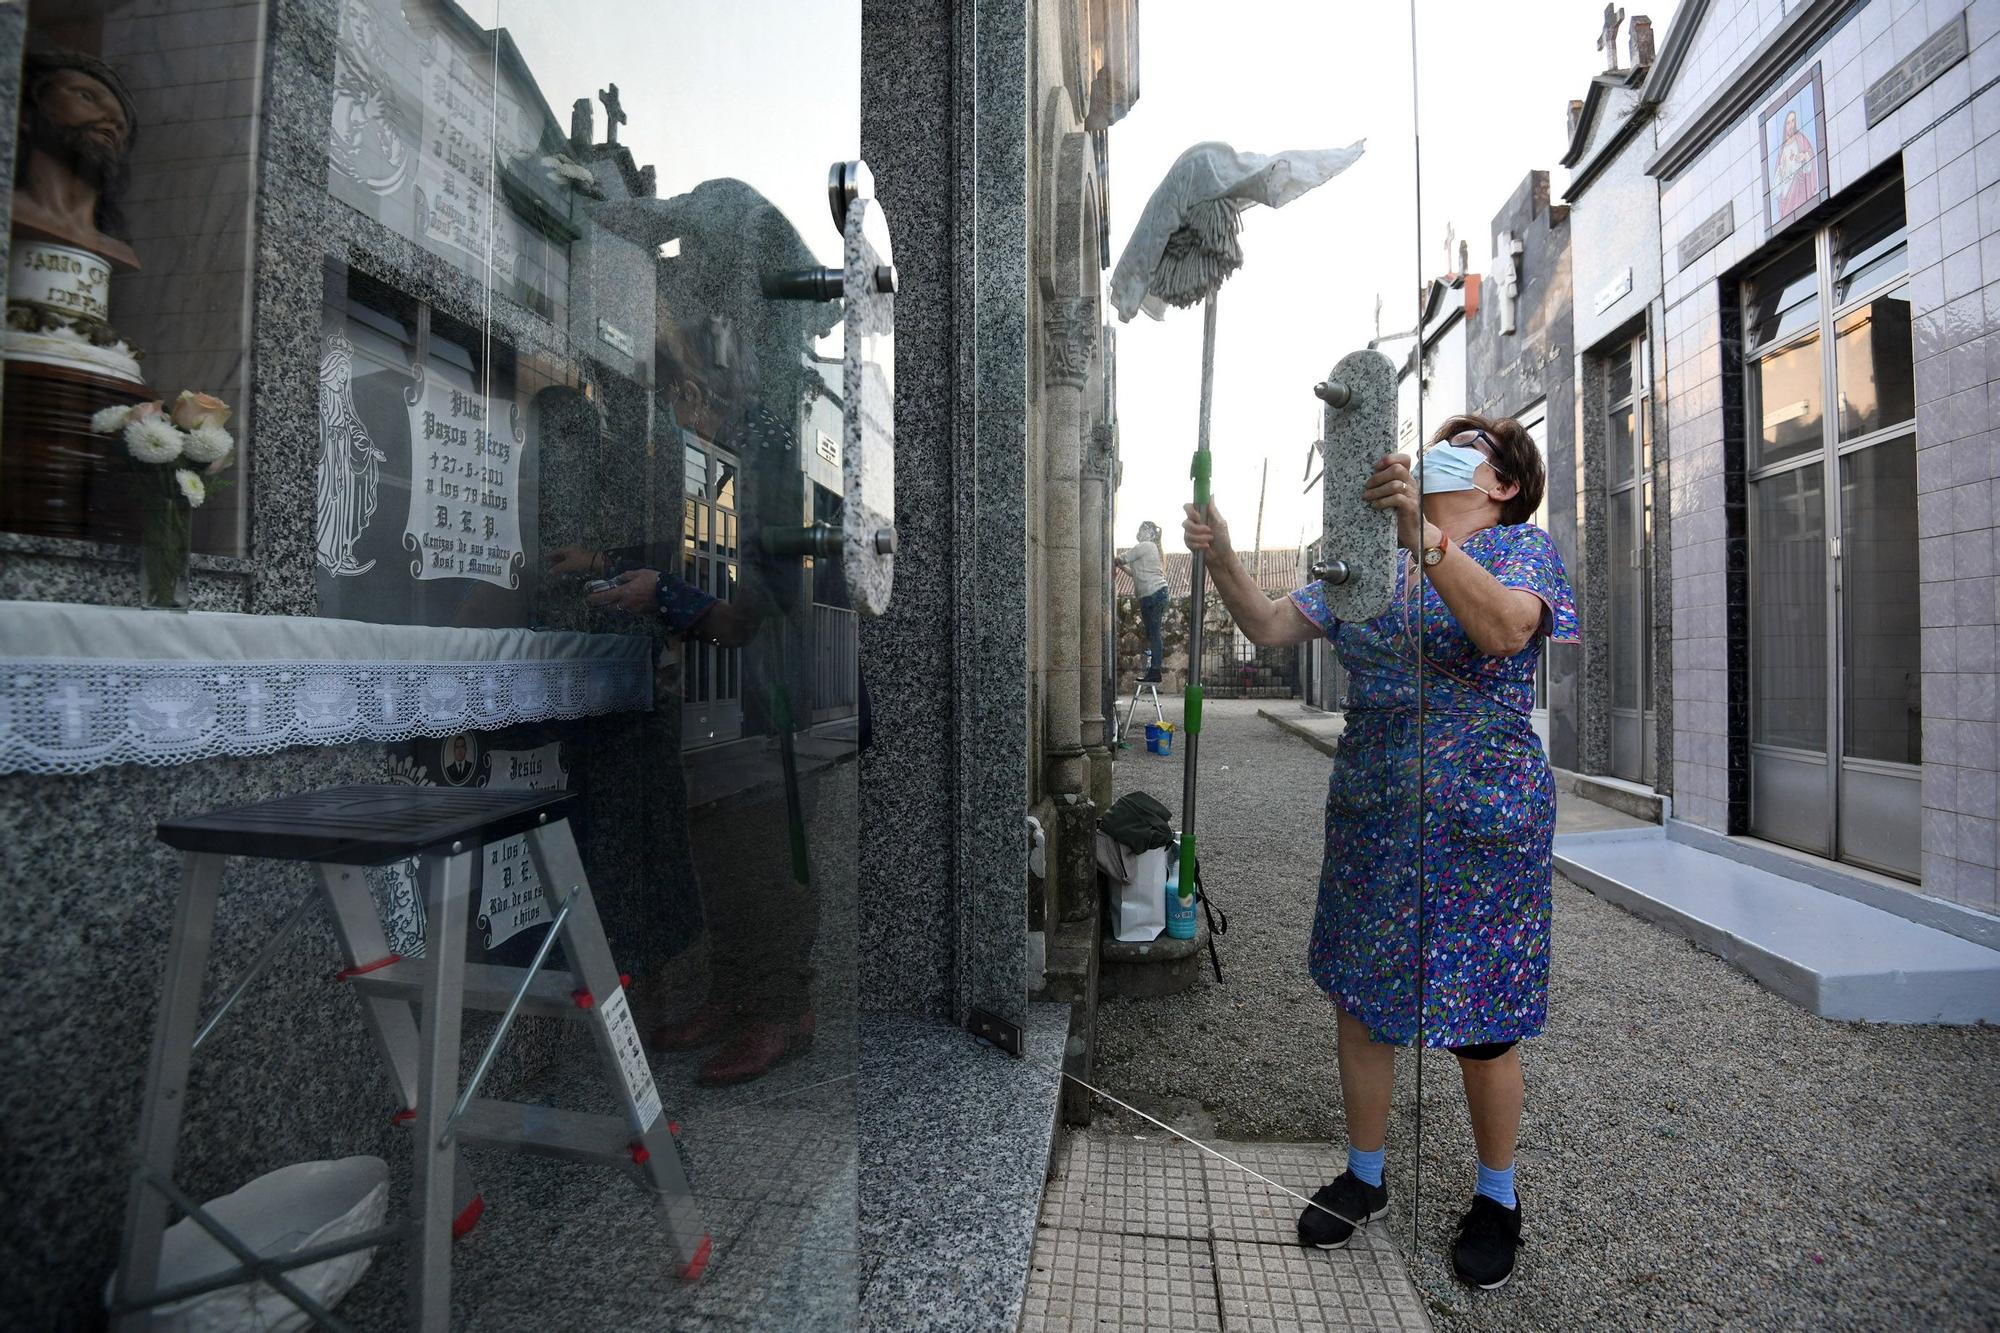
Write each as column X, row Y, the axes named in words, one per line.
column 1094, row 603
column 1066, row 332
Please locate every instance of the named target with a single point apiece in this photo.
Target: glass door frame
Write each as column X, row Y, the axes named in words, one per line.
column 1829, row 456
column 1635, row 490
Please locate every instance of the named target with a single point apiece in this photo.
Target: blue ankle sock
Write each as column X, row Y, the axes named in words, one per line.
column 1366, row 1166
column 1497, row 1185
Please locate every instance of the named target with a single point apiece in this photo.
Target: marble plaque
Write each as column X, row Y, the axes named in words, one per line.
column 1914, row 72
column 422, row 142
column 465, row 487
column 1713, row 231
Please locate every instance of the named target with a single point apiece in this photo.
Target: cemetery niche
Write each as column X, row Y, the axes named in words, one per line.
column 538, row 490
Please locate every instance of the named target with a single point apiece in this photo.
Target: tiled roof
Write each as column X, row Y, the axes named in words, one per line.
column 1277, row 572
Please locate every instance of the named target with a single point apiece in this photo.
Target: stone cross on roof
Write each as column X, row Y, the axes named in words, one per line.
column 1607, row 41
column 1450, row 247
column 614, row 114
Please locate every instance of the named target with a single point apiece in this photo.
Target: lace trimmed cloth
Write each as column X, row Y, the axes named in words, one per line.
column 86, row 687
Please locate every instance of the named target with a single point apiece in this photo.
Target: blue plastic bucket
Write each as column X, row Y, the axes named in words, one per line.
column 1159, row 739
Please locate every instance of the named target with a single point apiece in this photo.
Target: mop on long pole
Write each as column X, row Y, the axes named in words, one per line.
column 1198, row 580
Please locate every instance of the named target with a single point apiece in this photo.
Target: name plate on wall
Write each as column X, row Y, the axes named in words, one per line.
column 1713, row 231
column 1914, row 72
column 1613, row 291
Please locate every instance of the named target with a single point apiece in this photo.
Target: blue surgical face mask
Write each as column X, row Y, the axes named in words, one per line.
column 1448, row 468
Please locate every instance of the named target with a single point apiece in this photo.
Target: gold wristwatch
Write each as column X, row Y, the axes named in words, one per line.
column 1434, row 554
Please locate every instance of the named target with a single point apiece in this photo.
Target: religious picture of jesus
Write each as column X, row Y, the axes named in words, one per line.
column 1794, row 133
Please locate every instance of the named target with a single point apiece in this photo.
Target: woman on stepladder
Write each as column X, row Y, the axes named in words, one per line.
column 1480, row 588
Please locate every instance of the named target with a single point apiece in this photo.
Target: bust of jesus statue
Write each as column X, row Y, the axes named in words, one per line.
column 78, row 124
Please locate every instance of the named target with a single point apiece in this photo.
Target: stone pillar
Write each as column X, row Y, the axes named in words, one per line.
column 1066, row 342
column 1094, row 602
column 1066, row 333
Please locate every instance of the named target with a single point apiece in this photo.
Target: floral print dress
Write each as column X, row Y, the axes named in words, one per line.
column 1472, row 954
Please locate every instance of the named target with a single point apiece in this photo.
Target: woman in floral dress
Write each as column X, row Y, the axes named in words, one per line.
column 1463, row 965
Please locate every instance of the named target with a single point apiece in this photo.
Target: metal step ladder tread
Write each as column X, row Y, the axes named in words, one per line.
column 551, row 1131
column 488, row 988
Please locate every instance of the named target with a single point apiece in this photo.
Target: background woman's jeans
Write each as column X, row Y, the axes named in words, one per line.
column 1152, row 610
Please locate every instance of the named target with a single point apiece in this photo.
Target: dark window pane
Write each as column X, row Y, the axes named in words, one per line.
column 1785, row 403
column 1872, row 351
column 1783, row 299
column 1618, row 443
column 1869, row 246
column 1880, row 683
column 1788, row 610
column 1618, row 378
column 1624, row 603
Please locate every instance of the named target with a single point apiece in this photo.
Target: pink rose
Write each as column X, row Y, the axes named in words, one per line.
column 145, row 412
column 193, row 409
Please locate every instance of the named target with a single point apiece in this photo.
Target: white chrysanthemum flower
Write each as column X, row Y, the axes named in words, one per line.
column 109, row 419
column 205, row 444
column 221, row 463
column 192, row 489
column 153, row 441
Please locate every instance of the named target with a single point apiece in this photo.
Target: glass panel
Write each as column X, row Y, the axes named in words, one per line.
column 1782, row 300
column 1869, row 246
column 1618, row 443
column 1788, row 609
column 1877, row 377
column 133, row 208
column 1645, row 599
column 1881, row 671
column 1624, row 603
column 1786, row 404
column 1618, row 377
column 566, row 370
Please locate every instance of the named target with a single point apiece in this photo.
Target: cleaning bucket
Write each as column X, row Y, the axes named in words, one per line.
column 1159, row 738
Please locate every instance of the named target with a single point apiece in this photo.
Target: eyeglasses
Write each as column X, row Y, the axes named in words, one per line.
column 1473, row 439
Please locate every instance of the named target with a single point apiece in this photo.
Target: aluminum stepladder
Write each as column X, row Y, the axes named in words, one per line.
column 414, row 1008
column 1143, row 689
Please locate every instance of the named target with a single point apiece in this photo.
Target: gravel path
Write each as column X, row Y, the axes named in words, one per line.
column 1696, row 1152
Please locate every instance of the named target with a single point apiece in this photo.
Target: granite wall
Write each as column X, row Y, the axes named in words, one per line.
column 943, row 849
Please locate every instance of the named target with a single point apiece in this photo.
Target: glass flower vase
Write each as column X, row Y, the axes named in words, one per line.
column 164, row 541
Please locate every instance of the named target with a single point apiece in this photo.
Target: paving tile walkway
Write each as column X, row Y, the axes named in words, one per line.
column 1152, row 1233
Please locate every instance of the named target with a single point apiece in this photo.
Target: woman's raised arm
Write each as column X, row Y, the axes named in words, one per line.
column 1265, row 621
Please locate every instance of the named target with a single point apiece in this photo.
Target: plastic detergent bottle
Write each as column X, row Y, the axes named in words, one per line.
column 1180, row 911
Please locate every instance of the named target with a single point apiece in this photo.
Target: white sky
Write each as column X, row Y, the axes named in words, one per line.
column 762, row 91
column 1497, row 77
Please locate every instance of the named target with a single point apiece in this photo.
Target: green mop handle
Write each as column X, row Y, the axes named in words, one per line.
column 1197, row 607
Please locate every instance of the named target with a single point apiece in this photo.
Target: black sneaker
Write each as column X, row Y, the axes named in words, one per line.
column 1488, row 1235
column 1349, row 1196
column 1150, row 678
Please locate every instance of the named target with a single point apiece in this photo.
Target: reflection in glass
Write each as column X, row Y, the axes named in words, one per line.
column 552, row 340
column 1788, row 609
column 1881, row 676
column 1785, row 402
column 1870, row 246
column 1624, row 603
column 1876, row 373
column 1783, row 298
column 1618, row 442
